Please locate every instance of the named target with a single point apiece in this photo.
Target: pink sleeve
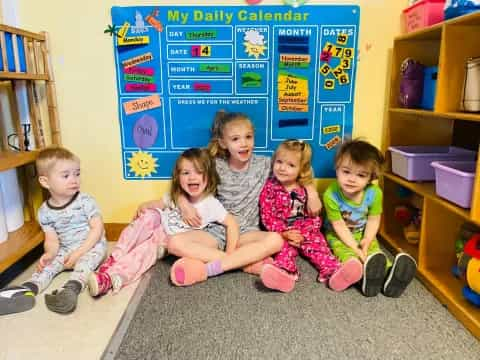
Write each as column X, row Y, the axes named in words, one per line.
column 270, row 215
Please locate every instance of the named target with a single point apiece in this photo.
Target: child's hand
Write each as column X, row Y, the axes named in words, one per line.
column 364, row 245
column 72, row 258
column 361, row 254
column 294, row 237
column 45, row 259
column 190, row 215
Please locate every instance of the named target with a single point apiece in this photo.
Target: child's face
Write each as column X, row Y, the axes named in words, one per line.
column 286, row 167
column 192, row 181
column 352, row 177
column 63, row 180
column 238, row 140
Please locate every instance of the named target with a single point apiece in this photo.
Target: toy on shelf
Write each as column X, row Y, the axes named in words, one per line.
column 411, row 83
column 468, row 262
column 467, row 230
column 471, row 292
column 409, row 215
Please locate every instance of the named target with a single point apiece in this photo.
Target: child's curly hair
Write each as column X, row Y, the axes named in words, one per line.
column 305, row 175
column 363, row 153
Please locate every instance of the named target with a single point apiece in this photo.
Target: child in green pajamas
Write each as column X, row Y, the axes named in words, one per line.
column 354, row 207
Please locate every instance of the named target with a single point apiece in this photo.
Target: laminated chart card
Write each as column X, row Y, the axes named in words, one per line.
column 291, row 70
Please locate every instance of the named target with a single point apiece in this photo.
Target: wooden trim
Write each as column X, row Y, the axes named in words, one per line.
column 428, row 113
column 12, row 159
column 428, row 33
column 38, row 59
column 3, row 47
column 31, row 56
column 28, row 60
column 22, row 32
column 22, row 76
column 34, row 113
column 19, row 243
column 476, row 190
column 113, row 230
column 13, row 100
column 38, row 112
column 51, row 92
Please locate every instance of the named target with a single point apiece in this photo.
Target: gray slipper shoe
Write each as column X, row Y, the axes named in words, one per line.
column 15, row 299
column 64, row 301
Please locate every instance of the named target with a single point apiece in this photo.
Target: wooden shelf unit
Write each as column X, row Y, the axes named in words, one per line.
column 19, row 243
column 38, row 73
column 447, row 45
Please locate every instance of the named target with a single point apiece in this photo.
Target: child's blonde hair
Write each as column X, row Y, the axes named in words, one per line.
column 203, row 163
column 221, row 120
column 48, row 157
column 305, row 176
column 362, row 153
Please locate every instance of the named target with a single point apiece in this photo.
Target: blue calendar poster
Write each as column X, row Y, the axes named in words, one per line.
column 291, row 70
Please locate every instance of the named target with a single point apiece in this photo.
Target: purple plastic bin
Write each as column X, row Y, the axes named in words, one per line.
column 454, row 181
column 413, row 162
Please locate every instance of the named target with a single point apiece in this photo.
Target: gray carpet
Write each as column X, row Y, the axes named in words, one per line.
column 234, row 317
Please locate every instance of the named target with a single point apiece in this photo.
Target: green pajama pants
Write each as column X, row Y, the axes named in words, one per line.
column 343, row 252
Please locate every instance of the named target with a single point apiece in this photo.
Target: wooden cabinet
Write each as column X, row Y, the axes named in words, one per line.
column 25, row 56
column 448, row 45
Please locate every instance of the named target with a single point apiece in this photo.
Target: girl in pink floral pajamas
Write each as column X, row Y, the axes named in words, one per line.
column 282, row 210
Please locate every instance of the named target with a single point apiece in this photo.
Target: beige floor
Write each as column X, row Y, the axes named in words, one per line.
column 42, row 334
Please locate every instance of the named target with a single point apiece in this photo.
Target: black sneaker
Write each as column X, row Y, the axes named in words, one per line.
column 401, row 274
column 373, row 274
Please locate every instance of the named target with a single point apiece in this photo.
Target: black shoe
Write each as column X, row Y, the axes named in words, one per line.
column 15, row 299
column 373, row 274
column 401, row 274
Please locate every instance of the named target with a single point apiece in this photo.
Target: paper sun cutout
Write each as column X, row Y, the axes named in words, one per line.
column 254, row 43
column 142, row 164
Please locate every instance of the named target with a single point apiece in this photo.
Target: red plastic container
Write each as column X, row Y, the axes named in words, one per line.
column 422, row 14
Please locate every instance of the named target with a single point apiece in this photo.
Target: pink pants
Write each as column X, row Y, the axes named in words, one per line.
column 136, row 249
column 314, row 248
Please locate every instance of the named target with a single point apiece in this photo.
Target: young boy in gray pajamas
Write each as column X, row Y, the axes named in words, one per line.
column 74, row 237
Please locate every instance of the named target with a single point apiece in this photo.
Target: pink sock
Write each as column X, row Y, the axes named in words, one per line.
column 214, row 268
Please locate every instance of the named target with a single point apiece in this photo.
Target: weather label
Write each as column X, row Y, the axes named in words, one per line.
column 290, row 70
